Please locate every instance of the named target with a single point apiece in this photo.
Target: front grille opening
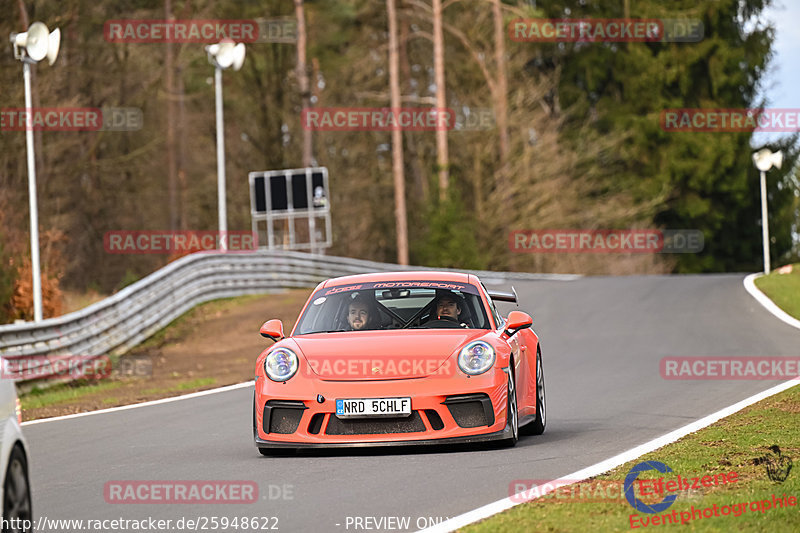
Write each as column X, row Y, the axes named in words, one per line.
column 434, row 419
column 315, row 425
column 282, row 416
column 471, row 410
column 375, row 426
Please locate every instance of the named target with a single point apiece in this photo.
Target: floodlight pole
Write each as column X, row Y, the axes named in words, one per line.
column 221, row 201
column 35, row 269
column 764, row 222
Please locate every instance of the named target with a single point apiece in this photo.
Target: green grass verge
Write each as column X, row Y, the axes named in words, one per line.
column 64, row 393
column 196, row 383
column 67, row 392
column 182, row 386
column 733, row 444
column 783, row 289
column 178, row 328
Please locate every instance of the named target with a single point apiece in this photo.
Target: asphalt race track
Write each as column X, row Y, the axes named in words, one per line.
column 602, row 340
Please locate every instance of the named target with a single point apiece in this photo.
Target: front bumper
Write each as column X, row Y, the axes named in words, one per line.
column 498, row 435
column 456, row 410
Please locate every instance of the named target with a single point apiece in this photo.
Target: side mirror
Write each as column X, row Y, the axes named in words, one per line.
column 272, row 329
column 517, row 320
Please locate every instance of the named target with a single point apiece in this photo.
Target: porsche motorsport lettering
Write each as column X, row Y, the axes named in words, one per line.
column 428, row 284
column 402, row 285
column 347, row 288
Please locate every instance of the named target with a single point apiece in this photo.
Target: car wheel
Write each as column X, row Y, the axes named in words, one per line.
column 539, row 423
column 512, row 414
column 16, row 490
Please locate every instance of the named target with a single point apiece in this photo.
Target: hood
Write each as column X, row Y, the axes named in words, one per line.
column 380, row 355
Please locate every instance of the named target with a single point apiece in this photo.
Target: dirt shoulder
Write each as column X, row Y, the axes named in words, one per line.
column 213, row 345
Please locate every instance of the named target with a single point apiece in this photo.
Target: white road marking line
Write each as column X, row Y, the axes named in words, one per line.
column 604, row 466
column 143, row 404
column 769, row 305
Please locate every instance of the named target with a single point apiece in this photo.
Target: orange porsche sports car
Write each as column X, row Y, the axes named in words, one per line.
column 399, row 358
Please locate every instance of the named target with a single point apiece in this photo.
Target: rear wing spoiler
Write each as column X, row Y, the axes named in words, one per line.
column 505, row 296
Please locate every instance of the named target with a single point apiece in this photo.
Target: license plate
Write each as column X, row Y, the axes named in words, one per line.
column 373, row 407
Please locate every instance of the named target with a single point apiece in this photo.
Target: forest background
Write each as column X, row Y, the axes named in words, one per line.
column 576, row 140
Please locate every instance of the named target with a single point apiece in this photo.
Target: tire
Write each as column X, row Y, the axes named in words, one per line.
column 537, row 426
column 16, row 490
column 512, row 413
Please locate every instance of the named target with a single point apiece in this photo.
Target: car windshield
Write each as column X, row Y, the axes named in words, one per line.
column 394, row 305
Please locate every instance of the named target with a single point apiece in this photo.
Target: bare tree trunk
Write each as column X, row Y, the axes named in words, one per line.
column 182, row 198
column 442, row 157
column 420, row 181
column 172, row 168
column 302, row 77
column 397, row 140
column 501, row 96
column 23, row 15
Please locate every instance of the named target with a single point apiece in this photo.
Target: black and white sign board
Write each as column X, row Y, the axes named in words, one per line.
column 290, row 209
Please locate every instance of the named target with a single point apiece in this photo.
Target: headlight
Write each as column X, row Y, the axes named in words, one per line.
column 281, row 364
column 476, row 358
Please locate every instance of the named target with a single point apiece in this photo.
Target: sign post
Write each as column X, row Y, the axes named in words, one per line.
column 296, row 197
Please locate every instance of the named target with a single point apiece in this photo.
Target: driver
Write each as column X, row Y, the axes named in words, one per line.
column 448, row 307
column 361, row 315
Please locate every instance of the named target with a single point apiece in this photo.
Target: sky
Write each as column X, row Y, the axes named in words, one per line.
column 783, row 80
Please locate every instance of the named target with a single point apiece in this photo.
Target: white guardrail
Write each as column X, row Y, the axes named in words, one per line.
column 116, row 324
